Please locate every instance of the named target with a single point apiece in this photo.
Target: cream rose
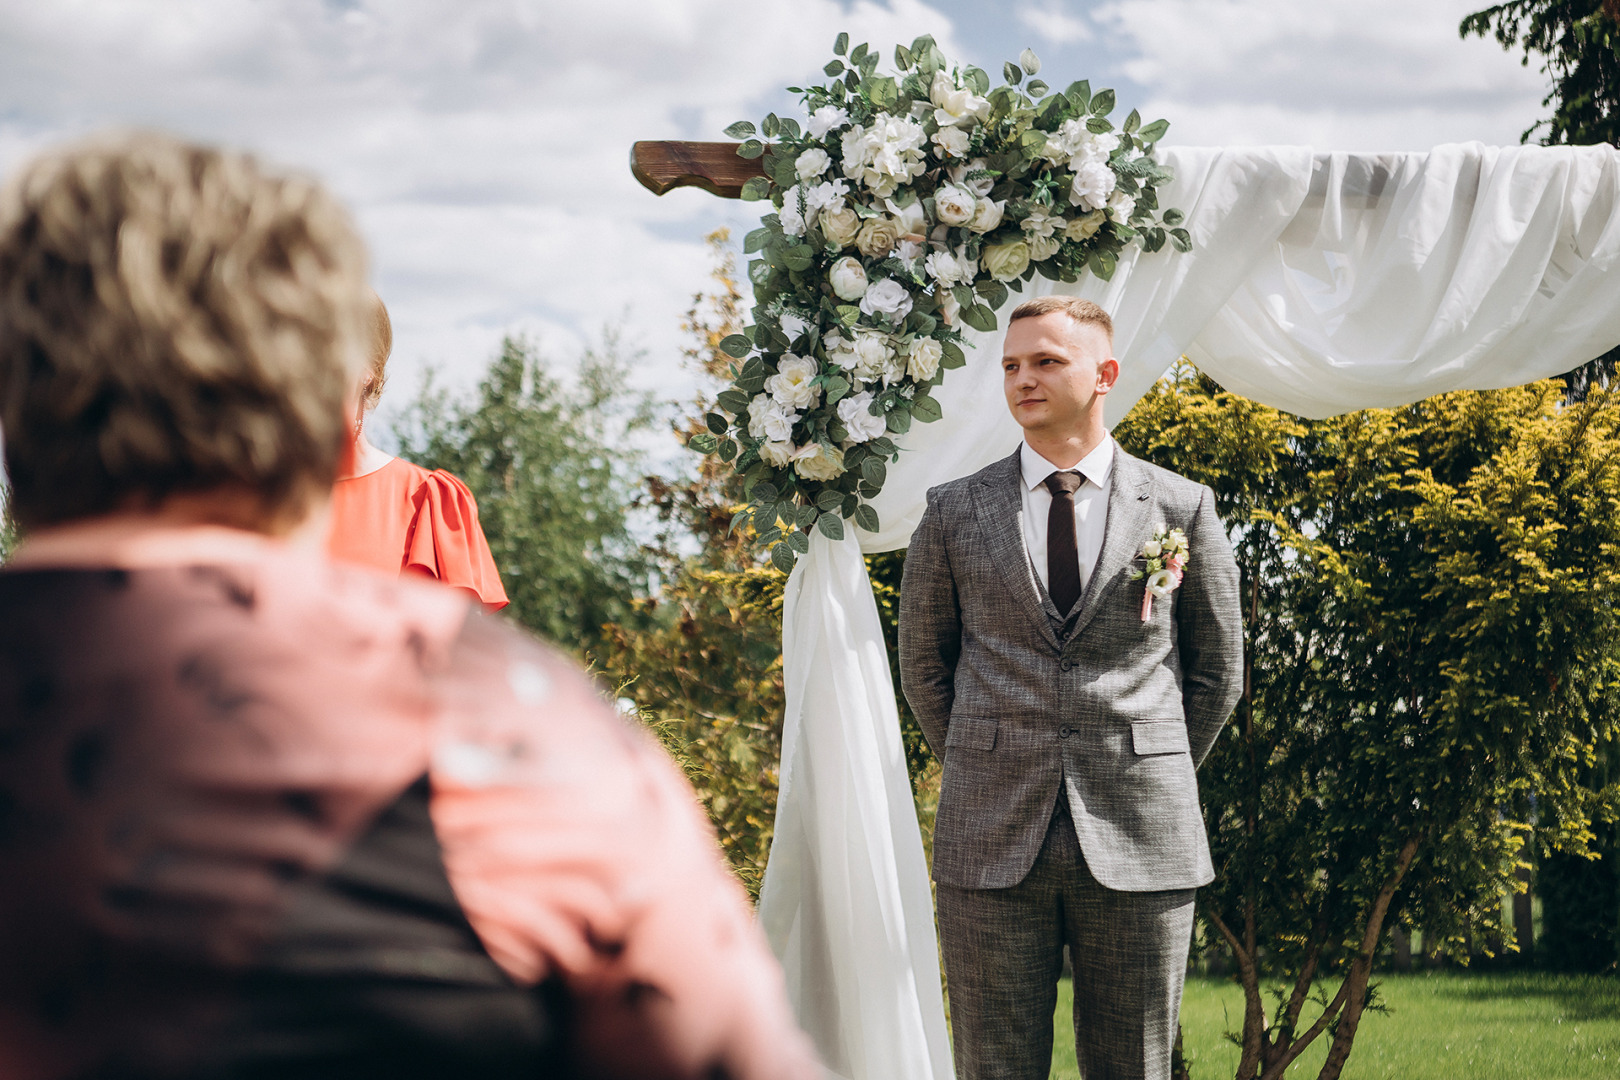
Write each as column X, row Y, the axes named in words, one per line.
column 1006, row 261
column 840, row 226
column 872, row 354
column 952, row 141
column 987, row 215
column 955, row 205
column 776, row 453
column 817, row 462
column 1043, row 247
column 791, row 385
column 877, row 237
column 924, row 358
column 848, row 279
column 953, row 106
column 1084, row 228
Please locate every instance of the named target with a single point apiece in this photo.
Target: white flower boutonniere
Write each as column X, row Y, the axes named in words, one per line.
column 1164, row 560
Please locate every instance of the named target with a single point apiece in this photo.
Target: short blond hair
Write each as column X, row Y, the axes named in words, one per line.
column 1081, row 311
column 382, row 347
column 173, row 319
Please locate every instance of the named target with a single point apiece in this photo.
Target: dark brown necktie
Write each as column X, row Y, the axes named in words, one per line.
column 1062, row 554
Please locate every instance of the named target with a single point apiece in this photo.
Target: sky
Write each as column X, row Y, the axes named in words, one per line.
column 483, row 145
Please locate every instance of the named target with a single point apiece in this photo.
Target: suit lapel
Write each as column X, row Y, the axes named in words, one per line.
column 999, row 505
column 1130, row 506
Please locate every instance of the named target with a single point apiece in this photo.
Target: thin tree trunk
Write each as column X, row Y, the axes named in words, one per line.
column 1361, row 968
column 1524, row 929
column 1403, row 948
column 1254, row 1009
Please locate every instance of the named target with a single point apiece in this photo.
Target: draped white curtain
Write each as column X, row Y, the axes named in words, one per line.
column 1319, row 283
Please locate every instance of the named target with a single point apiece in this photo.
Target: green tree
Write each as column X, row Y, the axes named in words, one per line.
column 1578, row 42
column 1429, row 606
column 556, row 476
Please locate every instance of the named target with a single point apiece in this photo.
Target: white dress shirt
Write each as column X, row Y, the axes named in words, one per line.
column 1090, row 506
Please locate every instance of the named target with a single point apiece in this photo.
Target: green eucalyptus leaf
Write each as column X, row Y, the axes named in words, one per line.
column 979, row 80
column 993, row 291
column 902, row 57
column 1037, row 89
column 717, row 423
column 836, row 388
column 1132, row 122
column 764, row 493
column 1012, row 73
column 755, row 240
column 1173, row 216
column 737, row 519
column 834, row 68
column 848, row 314
column 756, row 189
column 782, row 557
column 841, row 44
column 751, row 149
column 1097, row 125
column 926, row 409
column 740, row 130
column 768, row 537
column 883, row 92
column 1152, row 133
column 1103, row 263
column 703, row 442
column 850, row 504
column 953, row 357
column 1030, row 62
column 980, row 318
column 734, row 402
column 866, row 518
column 1102, row 103
column 1080, row 94
column 858, row 56
column 827, row 500
column 728, row 449
column 799, row 542
column 803, row 515
column 736, row 345
column 831, row 526
column 789, row 128
column 1182, row 239
column 874, row 471
column 899, row 419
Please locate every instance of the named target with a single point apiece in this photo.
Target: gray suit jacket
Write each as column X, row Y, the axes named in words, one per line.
column 1021, row 704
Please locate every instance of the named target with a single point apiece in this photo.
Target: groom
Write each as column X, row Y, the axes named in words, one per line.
column 1070, row 717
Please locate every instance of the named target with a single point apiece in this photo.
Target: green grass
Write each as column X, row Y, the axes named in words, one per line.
column 1440, row 1026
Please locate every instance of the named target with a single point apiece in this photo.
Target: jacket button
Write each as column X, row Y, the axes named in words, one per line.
column 1063, row 733
column 1065, row 665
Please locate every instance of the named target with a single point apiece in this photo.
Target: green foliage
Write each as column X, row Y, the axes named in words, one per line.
column 1578, row 42
column 8, row 528
column 1429, row 605
column 550, row 467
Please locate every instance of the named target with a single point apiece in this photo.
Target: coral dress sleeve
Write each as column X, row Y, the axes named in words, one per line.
column 445, row 541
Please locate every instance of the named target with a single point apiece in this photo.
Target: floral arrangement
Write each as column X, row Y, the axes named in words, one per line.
column 905, row 208
column 1164, row 560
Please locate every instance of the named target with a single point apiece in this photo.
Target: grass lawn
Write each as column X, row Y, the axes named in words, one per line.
column 1440, row 1026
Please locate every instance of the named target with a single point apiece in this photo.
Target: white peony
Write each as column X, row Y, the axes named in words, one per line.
column 1093, row 183
column 856, row 413
column 980, row 186
column 924, row 359
column 817, row 462
column 987, row 215
column 840, row 225
column 955, row 205
column 791, row 386
column 886, row 154
column 955, row 107
column 848, row 278
column 1121, row 205
column 952, row 141
column 840, row 350
column 872, row 353
column 1042, row 222
column 776, row 453
column 768, row 420
column 1074, row 145
column 825, row 119
column 887, row 297
column 812, row 163
column 827, row 195
column 948, row 269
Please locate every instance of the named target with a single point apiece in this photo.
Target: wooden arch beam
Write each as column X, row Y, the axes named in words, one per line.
column 712, row 166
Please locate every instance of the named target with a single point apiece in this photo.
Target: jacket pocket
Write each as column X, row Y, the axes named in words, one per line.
column 973, row 732
column 1159, row 737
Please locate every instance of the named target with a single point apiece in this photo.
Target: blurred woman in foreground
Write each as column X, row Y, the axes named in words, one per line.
column 262, row 815
column 396, row 516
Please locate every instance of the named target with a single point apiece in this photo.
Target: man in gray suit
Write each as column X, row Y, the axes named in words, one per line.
column 1070, row 716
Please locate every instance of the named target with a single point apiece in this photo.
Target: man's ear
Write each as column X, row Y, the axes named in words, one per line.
column 1107, row 375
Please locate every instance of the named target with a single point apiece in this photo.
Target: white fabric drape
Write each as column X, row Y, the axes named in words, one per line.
column 1319, row 284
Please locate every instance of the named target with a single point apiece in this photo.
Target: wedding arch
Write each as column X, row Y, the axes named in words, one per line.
column 1315, row 282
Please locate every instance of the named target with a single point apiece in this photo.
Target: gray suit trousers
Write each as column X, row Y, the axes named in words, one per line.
column 1003, row 951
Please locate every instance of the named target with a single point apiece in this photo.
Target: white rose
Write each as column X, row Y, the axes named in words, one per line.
column 817, row 462
column 848, row 279
column 987, row 215
column 1151, row 549
column 872, row 354
column 811, row 163
column 1043, row 247
column 952, row 141
column 954, row 106
column 856, row 413
column 980, row 186
column 924, row 359
column 776, row 453
column 887, row 297
column 768, row 420
column 825, row 119
column 1085, row 228
column 839, row 226
column 1005, row 261
column 955, row 205
column 791, row 385
column 948, row 269
column 909, row 218
column 1121, row 205
column 1093, row 183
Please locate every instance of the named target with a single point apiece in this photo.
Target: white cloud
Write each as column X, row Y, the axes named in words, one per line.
column 1345, row 74
column 483, row 144
column 1055, row 25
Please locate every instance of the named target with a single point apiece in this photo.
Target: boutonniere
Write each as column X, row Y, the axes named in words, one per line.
column 1164, row 560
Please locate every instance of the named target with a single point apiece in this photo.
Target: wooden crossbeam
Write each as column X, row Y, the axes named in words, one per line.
column 712, row 166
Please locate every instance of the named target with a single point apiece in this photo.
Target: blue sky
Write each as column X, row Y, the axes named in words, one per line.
column 482, row 143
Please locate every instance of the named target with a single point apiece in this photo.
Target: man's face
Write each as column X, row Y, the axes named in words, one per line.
column 1055, row 372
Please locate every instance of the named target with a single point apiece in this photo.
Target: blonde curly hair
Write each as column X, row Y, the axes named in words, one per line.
column 174, row 319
